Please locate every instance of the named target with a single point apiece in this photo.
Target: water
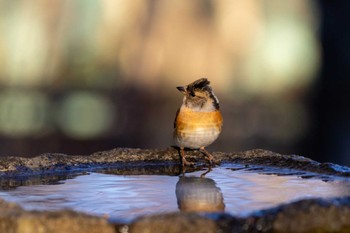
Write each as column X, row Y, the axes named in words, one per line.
column 232, row 188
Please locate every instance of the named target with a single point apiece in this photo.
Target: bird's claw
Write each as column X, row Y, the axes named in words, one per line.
column 187, row 163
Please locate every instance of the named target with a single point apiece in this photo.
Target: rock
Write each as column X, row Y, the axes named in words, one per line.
column 174, row 223
column 56, row 163
column 315, row 215
column 15, row 219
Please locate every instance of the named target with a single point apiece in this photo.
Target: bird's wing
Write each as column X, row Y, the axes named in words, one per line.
column 177, row 113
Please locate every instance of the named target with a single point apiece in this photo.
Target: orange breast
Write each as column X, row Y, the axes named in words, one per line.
column 189, row 120
column 197, row 129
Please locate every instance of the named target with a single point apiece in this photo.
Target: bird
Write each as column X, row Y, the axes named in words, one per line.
column 198, row 122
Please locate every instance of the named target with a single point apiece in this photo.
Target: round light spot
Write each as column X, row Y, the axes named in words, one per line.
column 23, row 113
column 86, row 115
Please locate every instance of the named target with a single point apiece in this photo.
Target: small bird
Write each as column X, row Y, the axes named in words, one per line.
column 198, row 122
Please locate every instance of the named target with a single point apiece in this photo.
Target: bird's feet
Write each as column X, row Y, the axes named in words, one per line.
column 186, row 163
column 206, row 172
column 209, row 157
column 183, row 158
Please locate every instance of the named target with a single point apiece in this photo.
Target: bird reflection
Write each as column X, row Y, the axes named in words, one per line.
column 199, row 194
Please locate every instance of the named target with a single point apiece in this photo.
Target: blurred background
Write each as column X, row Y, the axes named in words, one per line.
column 82, row 76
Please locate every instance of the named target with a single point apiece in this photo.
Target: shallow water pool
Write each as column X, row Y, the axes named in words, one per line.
column 232, row 188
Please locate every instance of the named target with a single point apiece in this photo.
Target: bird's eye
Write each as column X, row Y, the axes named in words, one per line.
column 192, row 94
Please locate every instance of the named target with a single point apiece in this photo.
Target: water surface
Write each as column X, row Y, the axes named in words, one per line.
column 232, row 188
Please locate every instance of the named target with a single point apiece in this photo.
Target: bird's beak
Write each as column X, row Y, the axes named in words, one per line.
column 182, row 89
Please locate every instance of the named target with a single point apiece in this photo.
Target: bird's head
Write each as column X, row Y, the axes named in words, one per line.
column 199, row 96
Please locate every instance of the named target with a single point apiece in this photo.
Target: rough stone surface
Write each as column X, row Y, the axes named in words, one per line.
column 316, row 215
column 14, row 219
column 174, row 223
column 55, row 163
column 313, row 215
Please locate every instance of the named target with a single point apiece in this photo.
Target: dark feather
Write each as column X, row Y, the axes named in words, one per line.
column 202, row 83
column 177, row 113
column 215, row 101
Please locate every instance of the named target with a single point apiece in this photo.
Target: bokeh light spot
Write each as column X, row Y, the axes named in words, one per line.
column 85, row 115
column 23, row 113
